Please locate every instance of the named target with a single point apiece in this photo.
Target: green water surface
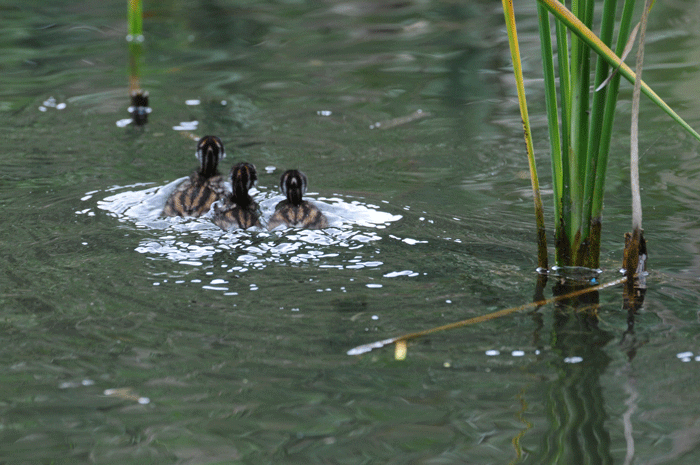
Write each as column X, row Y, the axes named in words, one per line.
column 124, row 342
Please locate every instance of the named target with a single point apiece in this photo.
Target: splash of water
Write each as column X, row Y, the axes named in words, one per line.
column 192, row 241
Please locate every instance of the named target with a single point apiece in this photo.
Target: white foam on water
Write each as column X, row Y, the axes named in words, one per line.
column 193, row 241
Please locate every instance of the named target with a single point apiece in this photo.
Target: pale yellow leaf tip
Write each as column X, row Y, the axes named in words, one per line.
column 400, row 350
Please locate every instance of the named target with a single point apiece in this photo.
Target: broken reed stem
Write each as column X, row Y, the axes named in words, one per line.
column 634, row 130
column 481, row 318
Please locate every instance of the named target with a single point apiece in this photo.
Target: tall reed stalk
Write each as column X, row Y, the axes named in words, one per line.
column 581, row 121
column 542, row 261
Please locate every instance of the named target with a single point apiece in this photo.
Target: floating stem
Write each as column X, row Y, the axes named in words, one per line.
column 477, row 319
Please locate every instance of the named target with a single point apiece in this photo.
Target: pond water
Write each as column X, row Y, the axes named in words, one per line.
column 127, row 338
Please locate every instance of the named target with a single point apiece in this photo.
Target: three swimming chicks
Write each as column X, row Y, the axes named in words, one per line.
column 195, row 196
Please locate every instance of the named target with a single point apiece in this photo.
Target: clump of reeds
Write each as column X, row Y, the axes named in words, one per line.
column 580, row 120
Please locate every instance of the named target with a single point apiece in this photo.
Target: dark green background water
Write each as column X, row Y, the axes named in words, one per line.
column 239, row 341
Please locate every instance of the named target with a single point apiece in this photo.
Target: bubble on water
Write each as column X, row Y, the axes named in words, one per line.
column 395, row 274
column 215, row 288
column 186, row 126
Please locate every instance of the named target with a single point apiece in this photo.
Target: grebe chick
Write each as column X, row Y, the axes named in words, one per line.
column 194, row 196
column 239, row 209
column 295, row 212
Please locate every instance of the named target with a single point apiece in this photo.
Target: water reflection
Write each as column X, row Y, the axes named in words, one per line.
column 576, row 430
column 575, row 403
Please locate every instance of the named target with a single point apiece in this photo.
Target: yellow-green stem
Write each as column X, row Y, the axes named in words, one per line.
column 542, row 261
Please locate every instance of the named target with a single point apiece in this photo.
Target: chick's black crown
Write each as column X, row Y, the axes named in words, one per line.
column 243, row 177
column 293, row 185
column 210, row 150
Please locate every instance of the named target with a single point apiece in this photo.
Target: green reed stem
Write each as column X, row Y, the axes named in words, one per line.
column 577, row 121
column 550, row 87
column 135, row 39
column 563, row 226
column 597, row 119
column 135, row 17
